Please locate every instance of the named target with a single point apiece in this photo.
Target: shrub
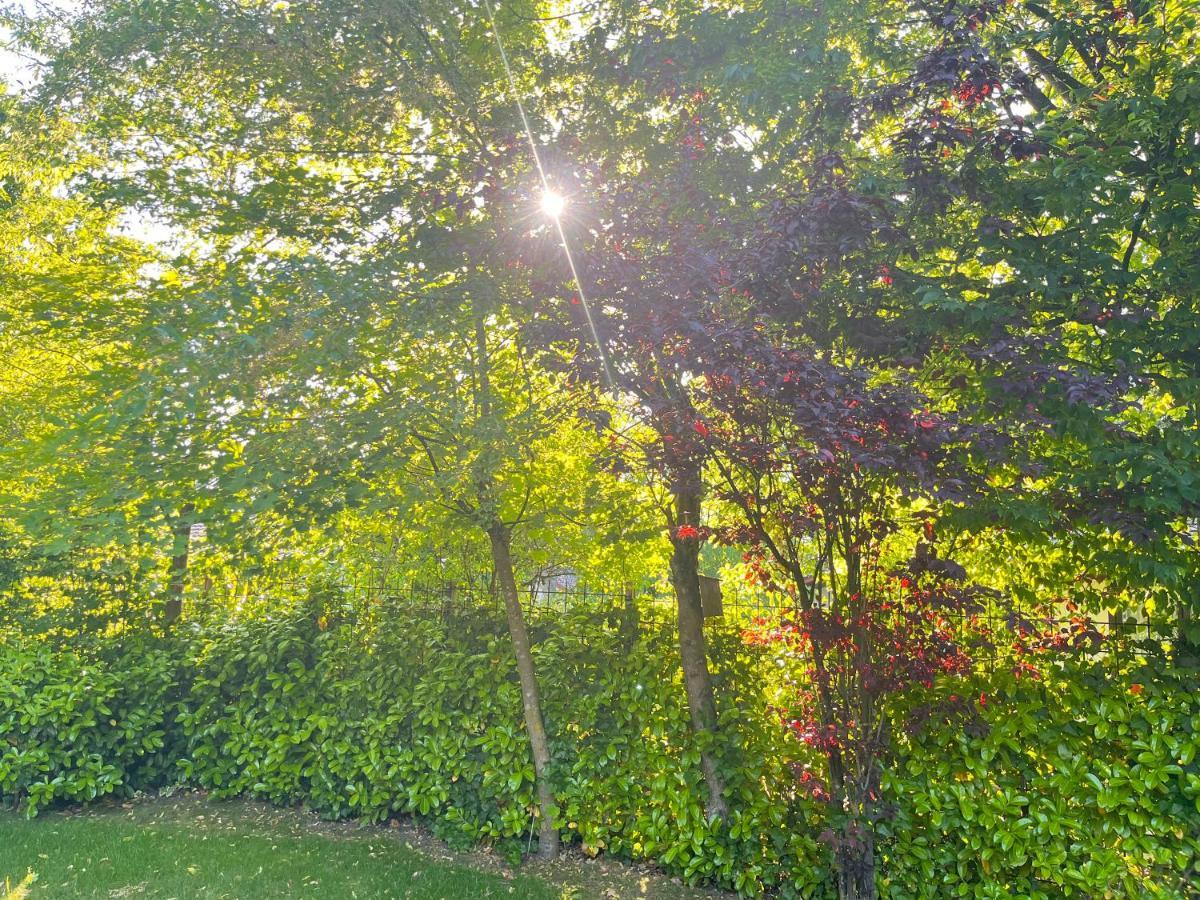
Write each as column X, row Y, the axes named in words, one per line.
column 410, row 718
column 76, row 725
column 628, row 766
column 1082, row 784
column 423, row 717
column 1085, row 783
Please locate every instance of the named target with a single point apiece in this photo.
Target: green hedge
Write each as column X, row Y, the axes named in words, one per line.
column 75, row 726
column 1081, row 785
column 424, row 717
column 1084, row 784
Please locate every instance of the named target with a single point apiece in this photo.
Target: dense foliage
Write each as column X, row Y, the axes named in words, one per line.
column 1086, row 783
column 886, row 307
column 78, row 726
column 1083, row 784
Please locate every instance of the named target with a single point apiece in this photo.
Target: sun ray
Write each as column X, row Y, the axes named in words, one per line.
column 548, row 205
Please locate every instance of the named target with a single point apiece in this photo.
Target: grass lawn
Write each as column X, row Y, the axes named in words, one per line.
column 189, row 846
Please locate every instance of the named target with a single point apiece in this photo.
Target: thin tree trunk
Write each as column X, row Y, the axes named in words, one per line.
column 179, row 565
column 1187, row 647
column 685, row 579
column 630, row 619
column 856, row 866
column 500, row 536
column 854, row 843
column 534, row 724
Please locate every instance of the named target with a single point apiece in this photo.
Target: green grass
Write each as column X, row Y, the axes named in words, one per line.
column 191, row 848
column 188, row 846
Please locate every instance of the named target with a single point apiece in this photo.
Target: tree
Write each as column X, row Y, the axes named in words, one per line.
column 812, row 265
column 834, row 487
column 645, row 303
column 67, row 276
column 846, row 266
column 1014, row 217
column 664, row 171
column 327, row 334
column 472, row 437
column 1073, row 123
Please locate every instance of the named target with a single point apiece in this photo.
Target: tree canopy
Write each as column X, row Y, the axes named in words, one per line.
column 892, row 305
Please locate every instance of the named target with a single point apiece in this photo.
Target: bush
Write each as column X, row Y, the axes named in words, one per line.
column 77, row 725
column 424, row 717
column 406, row 719
column 628, row 768
column 1083, row 784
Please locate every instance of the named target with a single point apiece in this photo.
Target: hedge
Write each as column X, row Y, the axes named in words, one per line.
column 424, row 717
column 77, row 726
column 1083, row 784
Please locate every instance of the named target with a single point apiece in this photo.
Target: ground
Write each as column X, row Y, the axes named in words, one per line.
column 189, row 846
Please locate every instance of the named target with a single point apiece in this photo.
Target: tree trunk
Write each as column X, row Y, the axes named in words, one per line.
column 853, row 846
column 855, row 862
column 179, row 566
column 685, row 579
column 630, row 620
column 534, row 724
column 1187, row 647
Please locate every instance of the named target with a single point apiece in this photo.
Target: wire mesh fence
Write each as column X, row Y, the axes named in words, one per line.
column 994, row 633
column 367, row 597
column 997, row 632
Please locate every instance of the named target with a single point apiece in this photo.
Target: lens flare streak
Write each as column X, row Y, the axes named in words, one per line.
column 553, row 203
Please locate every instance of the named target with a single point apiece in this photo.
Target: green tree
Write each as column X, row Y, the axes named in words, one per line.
column 66, row 276
column 1042, row 170
column 332, row 324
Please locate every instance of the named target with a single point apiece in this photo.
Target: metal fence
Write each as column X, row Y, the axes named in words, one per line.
column 995, row 634
column 367, row 597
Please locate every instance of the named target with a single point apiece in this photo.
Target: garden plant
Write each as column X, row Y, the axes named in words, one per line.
column 753, row 437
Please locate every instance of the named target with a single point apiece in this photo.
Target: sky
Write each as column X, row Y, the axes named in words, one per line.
column 19, row 72
column 16, row 70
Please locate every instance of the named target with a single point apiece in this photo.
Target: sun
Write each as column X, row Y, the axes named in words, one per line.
column 553, row 203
